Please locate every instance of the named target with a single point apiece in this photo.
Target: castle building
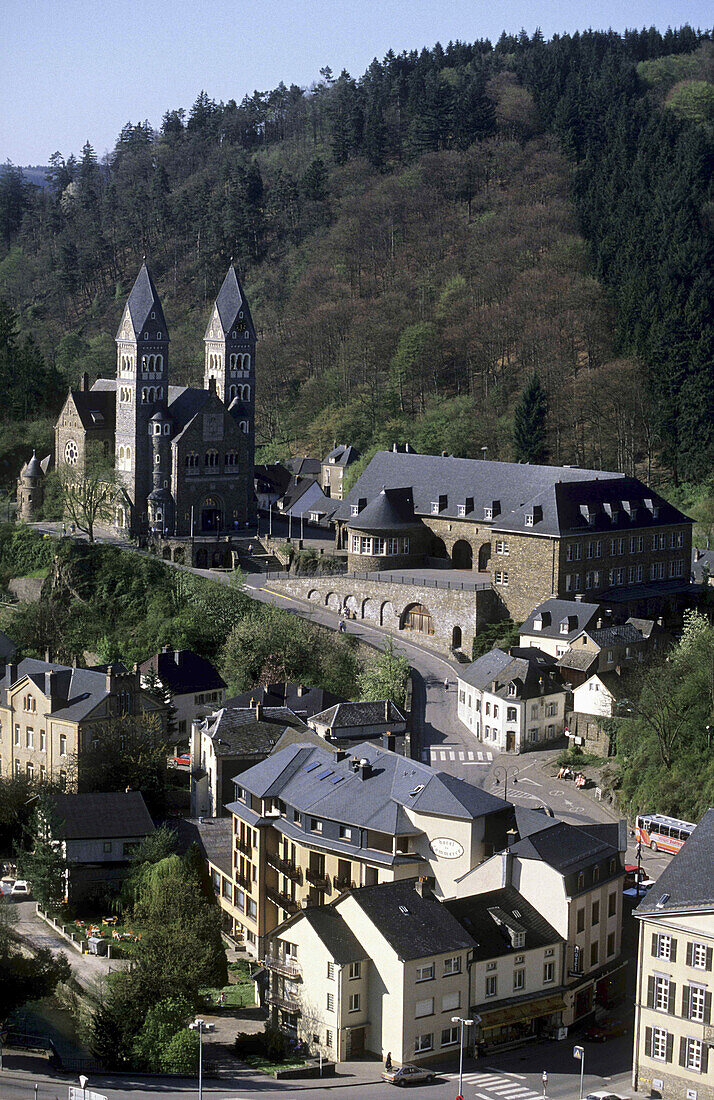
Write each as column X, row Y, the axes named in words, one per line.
column 183, row 456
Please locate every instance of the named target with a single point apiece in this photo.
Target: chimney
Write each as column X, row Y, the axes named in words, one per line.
column 211, row 385
column 598, row 624
column 48, row 656
column 177, row 656
column 340, row 755
column 386, row 710
column 84, row 385
column 258, row 712
column 660, row 620
column 12, row 672
column 364, row 768
column 300, row 690
column 423, row 888
column 578, row 597
column 506, row 869
column 51, row 687
column 388, row 741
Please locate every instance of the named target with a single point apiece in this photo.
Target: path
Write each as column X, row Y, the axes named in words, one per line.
column 89, row 971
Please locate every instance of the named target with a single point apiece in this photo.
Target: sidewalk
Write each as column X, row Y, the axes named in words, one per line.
column 89, row 971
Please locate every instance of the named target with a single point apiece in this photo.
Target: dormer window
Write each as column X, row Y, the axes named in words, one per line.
column 518, row 939
column 354, row 509
column 332, row 460
column 153, row 316
column 529, row 519
column 512, row 689
column 488, row 513
column 435, row 507
column 538, row 623
column 564, row 627
column 158, row 335
column 461, row 509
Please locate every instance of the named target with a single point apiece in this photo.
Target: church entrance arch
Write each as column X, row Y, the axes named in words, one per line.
column 211, row 512
column 462, row 555
column 484, row 557
column 417, row 617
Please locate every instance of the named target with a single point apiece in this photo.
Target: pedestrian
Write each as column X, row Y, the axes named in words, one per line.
column 341, row 627
column 64, row 529
column 388, row 1061
column 446, row 684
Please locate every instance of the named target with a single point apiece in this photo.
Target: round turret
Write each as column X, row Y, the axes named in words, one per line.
column 30, row 490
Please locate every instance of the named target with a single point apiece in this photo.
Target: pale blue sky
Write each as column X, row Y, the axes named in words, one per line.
column 72, row 70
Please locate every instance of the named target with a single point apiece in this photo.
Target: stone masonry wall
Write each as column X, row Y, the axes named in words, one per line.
column 532, row 568
column 384, row 604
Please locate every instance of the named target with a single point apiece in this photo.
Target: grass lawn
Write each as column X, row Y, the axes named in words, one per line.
column 128, row 946
column 239, row 993
column 263, row 1065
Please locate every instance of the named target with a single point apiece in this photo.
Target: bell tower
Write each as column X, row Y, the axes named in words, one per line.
column 142, row 390
column 230, row 356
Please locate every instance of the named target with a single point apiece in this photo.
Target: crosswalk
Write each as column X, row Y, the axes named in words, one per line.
column 463, row 756
column 496, row 1086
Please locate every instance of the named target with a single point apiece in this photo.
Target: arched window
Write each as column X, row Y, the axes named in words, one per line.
column 71, row 453
column 159, row 362
column 167, row 429
column 244, row 426
column 416, row 617
column 232, row 392
column 211, row 459
column 157, row 460
column 144, row 362
column 160, row 393
column 245, row 361
column 246, row 393
column 157, row 429
column 120, row 457
column 152, row 395
column 234, row 361
column 144, row 395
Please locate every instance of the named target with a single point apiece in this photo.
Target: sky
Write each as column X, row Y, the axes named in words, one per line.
column 78, row 70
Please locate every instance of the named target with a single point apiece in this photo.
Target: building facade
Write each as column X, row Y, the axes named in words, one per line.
column 674, row 1034
column 183, row 457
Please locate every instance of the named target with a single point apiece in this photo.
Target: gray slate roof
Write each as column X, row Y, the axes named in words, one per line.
column 236, row 731
column 33, row 468
column 552, row 612
column 230, row 302
column 304, row 466
column 96, row 407
column 567, row 848
column 302, row 700
column 348, row 715
column 97, row 816
column 335, row 933
column 182, row 671
column 528, row 668
column 624, row 634
column 390, row 510
column 687, row 883
column 183, row 402
column 333, row 790
column 142, row 302
column 477, row 915
column 214, row 836
column 414, row 926
column 512, row 490
column 77, row 690
column 341, row 455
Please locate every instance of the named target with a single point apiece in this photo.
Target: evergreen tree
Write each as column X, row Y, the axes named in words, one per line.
column 529, row 424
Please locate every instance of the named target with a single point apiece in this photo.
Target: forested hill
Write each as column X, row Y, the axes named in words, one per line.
column 416, row 243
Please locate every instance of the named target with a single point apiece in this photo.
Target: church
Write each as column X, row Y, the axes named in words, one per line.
column 183, row 456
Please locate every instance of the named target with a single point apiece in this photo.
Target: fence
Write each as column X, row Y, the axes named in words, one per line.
column 389, row 578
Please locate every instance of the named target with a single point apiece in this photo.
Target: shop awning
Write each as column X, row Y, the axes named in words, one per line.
column 527, row 1010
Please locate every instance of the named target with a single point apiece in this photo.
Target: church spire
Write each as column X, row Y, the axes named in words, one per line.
column 143, row 316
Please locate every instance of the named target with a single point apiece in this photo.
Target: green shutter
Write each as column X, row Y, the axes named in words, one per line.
column 685, row 1002
column 708, row 962
column 671, row 1004
column 650, row 991
column 648, row 1042
column 682, row 1051
column 670, row 1046
column 705, row 1057
column 673, row 951
column 690, row 953
column 654, row 945
column 707, row 1008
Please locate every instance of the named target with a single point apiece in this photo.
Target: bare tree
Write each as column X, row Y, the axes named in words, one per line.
column 88, row 492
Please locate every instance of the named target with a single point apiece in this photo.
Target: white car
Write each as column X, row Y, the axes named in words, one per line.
column 21, row 889
column 6, row 884
column 604, row 1095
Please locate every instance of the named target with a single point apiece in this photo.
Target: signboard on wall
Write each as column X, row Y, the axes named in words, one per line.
column 443, row 847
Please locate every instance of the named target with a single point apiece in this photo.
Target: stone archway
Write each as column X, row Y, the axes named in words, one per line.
column 313, row 594
column 462, row 555
column 456, row 638
column 484, row 557
column 201, row 558
column 369, row 609
column 386, row 613
column 179, row 555
column 333, row 601
column 418, row 618
column 351, row 604
column 438, row 549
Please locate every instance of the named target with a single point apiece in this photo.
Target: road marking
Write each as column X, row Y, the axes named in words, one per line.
column 527, row 780
column 471, row 756
column 452, row 755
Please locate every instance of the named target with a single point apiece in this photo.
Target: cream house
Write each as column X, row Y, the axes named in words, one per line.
column 674, row 1035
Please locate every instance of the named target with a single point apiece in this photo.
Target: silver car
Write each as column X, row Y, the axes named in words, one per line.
column 408, row 1075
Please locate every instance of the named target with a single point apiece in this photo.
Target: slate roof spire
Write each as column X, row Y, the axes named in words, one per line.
column 143, row 307
column 231, row 301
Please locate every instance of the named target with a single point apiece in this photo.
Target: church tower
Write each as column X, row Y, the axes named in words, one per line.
column 230, row 356
column 142, row 390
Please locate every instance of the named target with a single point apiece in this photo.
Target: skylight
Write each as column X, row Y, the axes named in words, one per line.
column 403, row 909
column 337, row 778
column 324, row 775
column 311, row 767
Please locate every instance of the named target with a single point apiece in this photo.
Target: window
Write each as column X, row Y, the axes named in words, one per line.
column 392, row 546
column 519, row 978
column 451, row 1001
column 610, row 945
column 425, row 973
column 659, row 1044
column 63, row 780
column 488, row 513
column 345, row 832
column 580, row 925
column 501, row 547
column 43, row 741
column 594, row 953
column 330, row 1002
column 612, row 904
column 328, row 1038
column 693, row 1054
column 449, row 1036
column 595, row 913
column 107, row 847
column 452, row 965
column 16, row 738
column 71, row 453
column 331, row 971
column 366, row 544
column 355, row 544
column 315, row 825
column 355, row 970
column 424, row 1042
column 43, row 773
column 30, row 771
column 63, row 744
column 661, row 985
column 548, row 972
column 500, row 576
column 697, row 1000
column 699, row 956
column 354, row 1002
column 29, row 738
column 424, row 1008
column 405, row 545
column 495, row 710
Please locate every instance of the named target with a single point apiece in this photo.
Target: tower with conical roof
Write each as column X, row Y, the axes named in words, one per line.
column 230, row 356
column 142, row 389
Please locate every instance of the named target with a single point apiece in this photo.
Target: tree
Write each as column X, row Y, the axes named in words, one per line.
column 44, row 864
column 130, row 751
column 529, row 424
column 385, row 678
column 23, row 977
column 88, row 492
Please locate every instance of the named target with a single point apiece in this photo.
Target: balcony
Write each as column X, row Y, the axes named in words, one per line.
column 282, row 900
column 343, row 883
column 288, row 1004
column 241, row 880
column 244, row 846
column 288, row 966
column 285, row 866
column 319, row 880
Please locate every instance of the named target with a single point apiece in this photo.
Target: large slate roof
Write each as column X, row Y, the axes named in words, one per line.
column 97, row 816
column 341, row 455
column 96, row 407
column 391, row 509
column 478, row 916
column 302, row 700
column 182, row 671
column 231, row 301
column 335, row 933
column 415, row 926
column 142, row 302
column 214, row 836
column 530, row 669
column 237, row 731
column 309, row 779
column 553, row 612
column 512, row 490
column 371, row 713
column 567, row 848
column 687, row 883
column 77, row 690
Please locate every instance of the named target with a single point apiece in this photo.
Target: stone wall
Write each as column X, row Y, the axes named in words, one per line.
column 531, row 568
column 385, row 603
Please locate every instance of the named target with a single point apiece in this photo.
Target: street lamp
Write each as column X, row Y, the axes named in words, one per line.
column 83, row 1082
column 463, row 1023
column 507, row 773
column 639, row 868
column 200, row 1026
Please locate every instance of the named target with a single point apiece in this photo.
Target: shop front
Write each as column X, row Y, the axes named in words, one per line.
column 601, row 989
column 518, row 1021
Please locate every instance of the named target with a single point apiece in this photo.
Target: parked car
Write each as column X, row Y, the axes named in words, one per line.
column 606, row 1096
column 182, row 761
column 607, row 1029
column 21, row 889
column 6, row 884
column 408, row 1075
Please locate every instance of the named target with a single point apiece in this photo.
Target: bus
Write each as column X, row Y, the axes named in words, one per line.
column 662, row 834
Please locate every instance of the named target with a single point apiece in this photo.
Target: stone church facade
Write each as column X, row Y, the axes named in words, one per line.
column 183, row 456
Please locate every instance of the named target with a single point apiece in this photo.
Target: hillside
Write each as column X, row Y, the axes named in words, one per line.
column 415, row 244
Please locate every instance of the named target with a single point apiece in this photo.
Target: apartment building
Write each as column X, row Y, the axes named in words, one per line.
column 195, row 685
column 309, row 824
column 674, row 1034
column 573, row 875
column 385, row 968
column 512, row 700
column 49, row 714
column 554, row 625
